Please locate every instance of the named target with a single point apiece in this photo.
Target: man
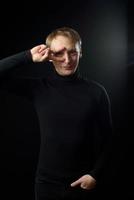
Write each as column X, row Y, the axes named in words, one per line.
column 74, row 116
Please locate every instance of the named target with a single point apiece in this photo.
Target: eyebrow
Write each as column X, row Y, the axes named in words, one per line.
column 60, row 51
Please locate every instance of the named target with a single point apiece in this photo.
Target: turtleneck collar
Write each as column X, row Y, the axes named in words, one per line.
column 69, row 78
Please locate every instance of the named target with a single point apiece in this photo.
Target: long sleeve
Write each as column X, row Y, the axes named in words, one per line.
column 15, row 61
column 18, row 85
column 106, row 130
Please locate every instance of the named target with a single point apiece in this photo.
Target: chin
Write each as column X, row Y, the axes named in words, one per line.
column 68, row 72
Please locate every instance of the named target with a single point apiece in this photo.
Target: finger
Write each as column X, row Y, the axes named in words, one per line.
column 44, row 51
column 83, row 186
column 75, row 183
column 42, row 47
column 45, row 54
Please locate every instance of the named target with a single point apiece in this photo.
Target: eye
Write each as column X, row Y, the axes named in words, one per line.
column 73, row 52
column 58, row 54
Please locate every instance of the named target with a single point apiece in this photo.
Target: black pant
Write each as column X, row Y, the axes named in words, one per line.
column 51, row 191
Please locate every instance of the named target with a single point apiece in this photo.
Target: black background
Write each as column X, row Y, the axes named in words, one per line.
column 106, row 29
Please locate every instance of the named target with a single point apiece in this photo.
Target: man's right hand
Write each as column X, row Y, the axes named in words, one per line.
column 40, row 53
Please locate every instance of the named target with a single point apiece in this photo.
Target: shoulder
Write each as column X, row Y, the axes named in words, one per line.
column 92, row 85
column 95, row 89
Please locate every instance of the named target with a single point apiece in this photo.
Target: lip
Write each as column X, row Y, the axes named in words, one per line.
column 68, row 67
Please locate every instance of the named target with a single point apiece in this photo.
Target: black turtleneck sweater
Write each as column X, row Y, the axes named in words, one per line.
column 75, row 121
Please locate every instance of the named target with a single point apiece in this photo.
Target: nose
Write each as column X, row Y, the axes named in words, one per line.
column 67, row 58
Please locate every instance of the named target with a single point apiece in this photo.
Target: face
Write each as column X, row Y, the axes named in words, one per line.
column 65, row 55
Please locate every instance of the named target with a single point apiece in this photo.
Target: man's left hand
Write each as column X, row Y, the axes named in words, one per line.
column 86, row 182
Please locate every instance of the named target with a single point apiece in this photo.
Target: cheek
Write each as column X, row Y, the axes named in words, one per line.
column 75, row 59
column 57, row 64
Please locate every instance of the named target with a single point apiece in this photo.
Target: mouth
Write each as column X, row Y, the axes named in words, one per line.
column 68, row 67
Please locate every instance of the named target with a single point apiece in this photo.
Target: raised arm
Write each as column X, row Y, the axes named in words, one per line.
column 21, row 85
column 38, row 53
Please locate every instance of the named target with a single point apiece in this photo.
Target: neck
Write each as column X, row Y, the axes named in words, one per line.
column 56, row 77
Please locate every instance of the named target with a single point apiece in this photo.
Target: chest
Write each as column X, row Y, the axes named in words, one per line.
column 65, row 102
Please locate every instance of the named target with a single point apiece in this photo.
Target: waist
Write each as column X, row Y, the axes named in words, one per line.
column 46, row 175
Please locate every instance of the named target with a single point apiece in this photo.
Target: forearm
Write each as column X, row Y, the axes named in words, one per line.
column 14, row 61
